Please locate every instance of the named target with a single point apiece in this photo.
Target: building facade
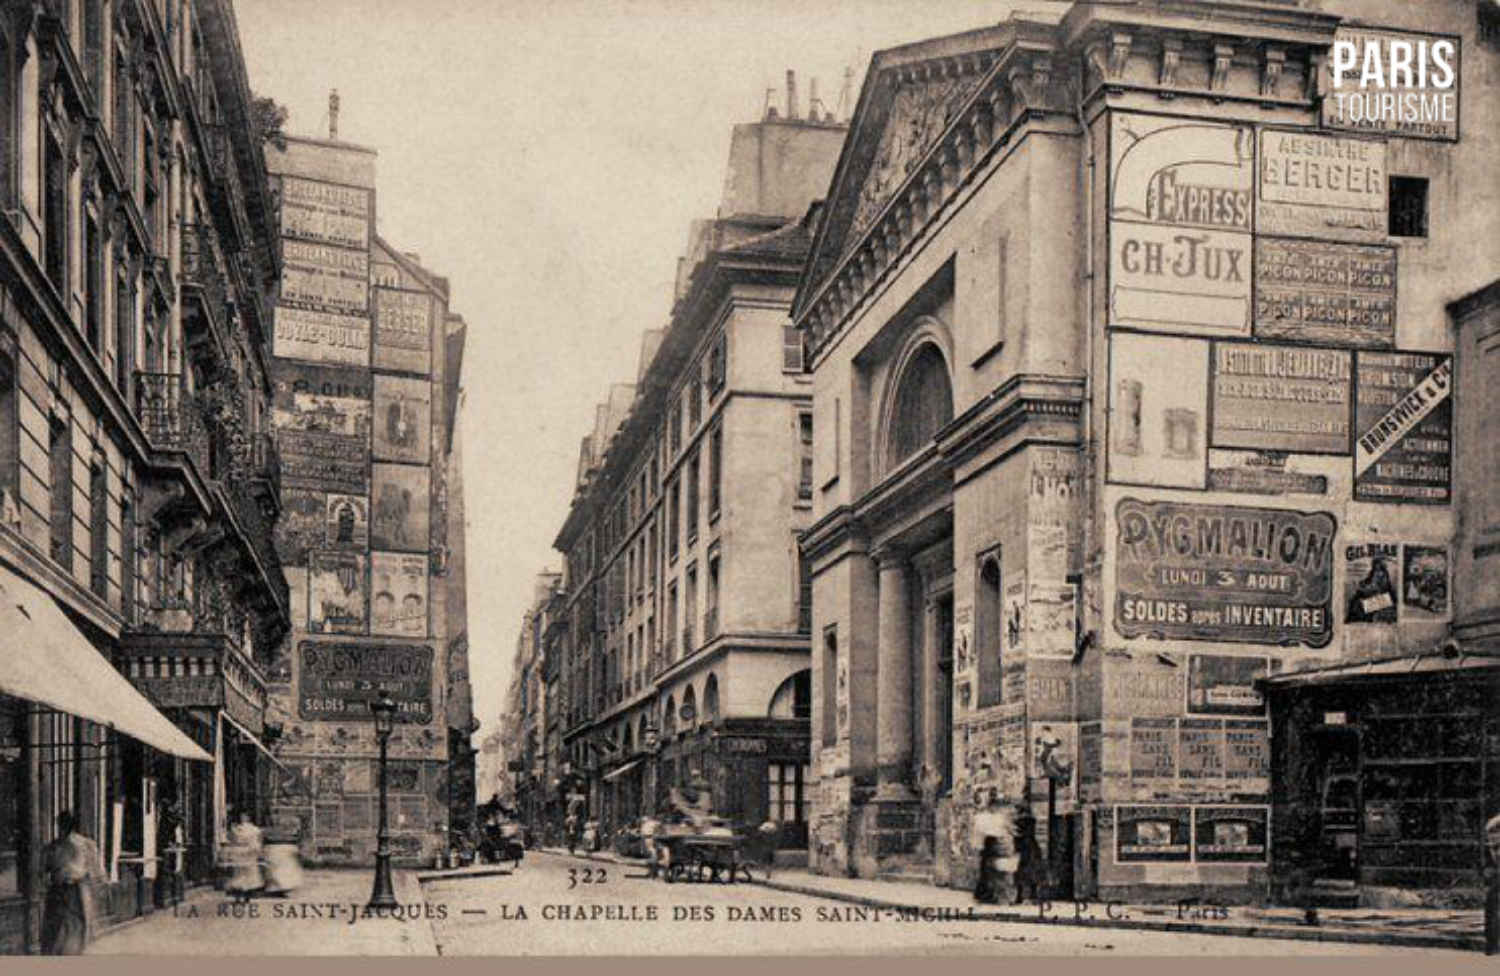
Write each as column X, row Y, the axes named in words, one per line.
column 527, row 707
column 1133, row 506
column 365, row 373
column 138, row 482
column 684, row 648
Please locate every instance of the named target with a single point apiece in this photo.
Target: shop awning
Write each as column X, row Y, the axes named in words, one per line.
column 44, row 658
column 252, row 738
column 615, row 774
column 1468, row 662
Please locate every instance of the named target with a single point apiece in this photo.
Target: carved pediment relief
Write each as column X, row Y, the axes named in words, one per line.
column 922, row 105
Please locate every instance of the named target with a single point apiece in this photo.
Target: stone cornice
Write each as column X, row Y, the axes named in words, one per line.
column 1012, row 411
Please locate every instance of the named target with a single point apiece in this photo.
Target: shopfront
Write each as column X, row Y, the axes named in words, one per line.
column 1383, row 775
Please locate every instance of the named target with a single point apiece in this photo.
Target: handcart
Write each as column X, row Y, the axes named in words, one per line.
column 702, row 858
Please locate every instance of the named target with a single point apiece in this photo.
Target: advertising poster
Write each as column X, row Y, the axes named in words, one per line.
column 403, row 330
column 398, row 594
column 1223, row 572
column 1158, row 410
column 346, row 522
column 1179, row 231
column 322, row 421
column 1231, row 835
column 1015, row 613
column 321, row 337
column 1051, row 519
column 300, row 526
column 1224, row 684
column 338, row 680
column 963, row 637
column 1312, row 184
column 1371, row 582
column 1153, row 755
column 1281, row 398
column 325, row 213
column 1403, row 427
column 400, row 500
column 1364, row 90
column 1054, row 757
column 1247, row 756
column 1200, row 753
column 1146, row 688
column 1424, row 582
column 1051, row 610
column 1153, row 833
column 403, row 419
column 1090, row 761
column 1256, row 472
column 314, row 288
column 1322, row 291
column 336, row 593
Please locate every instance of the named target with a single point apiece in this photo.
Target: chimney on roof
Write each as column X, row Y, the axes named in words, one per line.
column 333, row 114
column 770, row 109
column 791, row 94
column 814, row 105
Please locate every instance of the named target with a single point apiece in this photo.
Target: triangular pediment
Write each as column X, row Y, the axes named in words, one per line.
column 910, row 97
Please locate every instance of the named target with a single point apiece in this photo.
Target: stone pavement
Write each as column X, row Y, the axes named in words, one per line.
column 325, row 917
column 1415, row 927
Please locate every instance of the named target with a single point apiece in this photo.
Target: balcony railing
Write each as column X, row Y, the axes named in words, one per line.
column 173, row 418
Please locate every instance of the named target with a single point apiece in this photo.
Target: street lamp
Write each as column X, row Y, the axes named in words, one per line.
column 383, row 895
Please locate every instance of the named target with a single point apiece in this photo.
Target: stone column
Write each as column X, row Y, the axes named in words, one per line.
column 893, row 680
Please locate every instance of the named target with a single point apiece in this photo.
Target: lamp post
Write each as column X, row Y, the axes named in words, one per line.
column 383, row 895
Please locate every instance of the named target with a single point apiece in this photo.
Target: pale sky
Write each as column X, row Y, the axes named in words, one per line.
column 548, row 158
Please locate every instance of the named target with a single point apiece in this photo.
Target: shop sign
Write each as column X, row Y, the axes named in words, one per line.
column 1153, row 833
column 340, row 679
column 1325, row 291
column 321, row 336
column 1224, row 684
column 403, row 330
column 1281, row 398
column 1237, row 835
column 1180, row 206
column 1223, row 573
column 1399, row 83
column 1311, row 184
column 744, row 745
column 1403, row 425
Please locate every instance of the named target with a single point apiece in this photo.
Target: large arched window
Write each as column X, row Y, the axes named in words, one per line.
column 669, row 718
column 690, row 714
column 921, row 405
column 793, row 697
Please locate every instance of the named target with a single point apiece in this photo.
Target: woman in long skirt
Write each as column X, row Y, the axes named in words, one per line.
column 72, row 864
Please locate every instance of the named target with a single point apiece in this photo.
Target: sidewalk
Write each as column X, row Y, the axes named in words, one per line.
column 1417, row 927
column 322, row 918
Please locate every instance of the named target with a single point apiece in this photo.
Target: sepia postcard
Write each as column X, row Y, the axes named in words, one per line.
column 679, row 478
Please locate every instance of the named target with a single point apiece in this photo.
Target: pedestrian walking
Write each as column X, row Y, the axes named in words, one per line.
column 244, row 847
column 1027, row 866
column 992, row 832
column 72, row 866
